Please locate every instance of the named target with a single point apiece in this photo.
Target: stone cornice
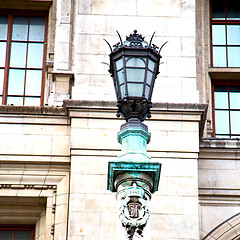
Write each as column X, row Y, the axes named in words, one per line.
column 30, row 110
column 193, row 107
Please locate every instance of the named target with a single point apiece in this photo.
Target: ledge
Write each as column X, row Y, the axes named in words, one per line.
column 69, row 103
column 220, row 143
column 224, row 73
column 30, row 110
column 191, row 107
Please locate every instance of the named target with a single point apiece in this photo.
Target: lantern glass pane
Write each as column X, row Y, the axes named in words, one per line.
column 151, row 65
column 122, row 89
column 147, row 90
column 121, row 76
column 135, row 75
column 135, row 62
column 119, row 64
column 135, row 89
column 149, row 77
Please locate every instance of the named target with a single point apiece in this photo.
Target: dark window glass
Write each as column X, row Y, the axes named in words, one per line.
column 22, row 235
column 3, row 27
column 16, row 233
column 6, row 235
column 218, row 9
column 233, row 9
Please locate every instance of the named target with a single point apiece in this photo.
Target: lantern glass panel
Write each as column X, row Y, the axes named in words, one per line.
column 135, row 75
column 119, row 64
column 121, row 77
column 147, row 90
column 135, row 89
column 151, row 65
column 149, row 77
column 122, row 90
column 135, row 62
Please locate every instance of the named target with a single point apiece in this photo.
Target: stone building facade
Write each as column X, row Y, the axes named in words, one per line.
column 58, row 135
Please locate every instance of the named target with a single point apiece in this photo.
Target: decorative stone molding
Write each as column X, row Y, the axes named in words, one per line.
column 27, row 186
column 133, row 209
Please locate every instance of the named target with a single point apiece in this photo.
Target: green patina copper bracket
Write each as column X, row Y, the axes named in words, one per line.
column 134, row 168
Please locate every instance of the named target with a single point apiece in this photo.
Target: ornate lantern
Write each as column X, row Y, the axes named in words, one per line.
column 134, row 66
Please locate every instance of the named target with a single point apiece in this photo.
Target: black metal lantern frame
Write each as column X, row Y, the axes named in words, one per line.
column 134, row 66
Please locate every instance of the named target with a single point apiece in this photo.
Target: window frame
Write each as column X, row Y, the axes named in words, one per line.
column 27, row 13
column 225, row 22
column 13, row 228
column 228, row 83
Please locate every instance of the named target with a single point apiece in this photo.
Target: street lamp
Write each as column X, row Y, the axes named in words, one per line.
column 134, row 66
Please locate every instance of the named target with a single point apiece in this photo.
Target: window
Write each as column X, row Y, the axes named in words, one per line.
column 226, row 109
column 22, row 47
column 225, row 33
column 16, row 233
column 225, row 52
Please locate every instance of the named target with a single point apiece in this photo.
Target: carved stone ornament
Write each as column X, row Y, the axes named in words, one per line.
column 134, row 211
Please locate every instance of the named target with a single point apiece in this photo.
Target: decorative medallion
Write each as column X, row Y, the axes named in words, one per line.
column 134, row 211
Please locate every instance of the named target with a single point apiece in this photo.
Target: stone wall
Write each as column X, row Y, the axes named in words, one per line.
column 92, row 21
column 174, row 143
column 219, row 169
column 35, row 164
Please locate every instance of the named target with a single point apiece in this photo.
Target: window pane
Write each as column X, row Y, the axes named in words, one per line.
column 32, row 101
column 33, row 82
column 235, row 97
column 121, row 76
column 221, row 97
column 233, row 9
column 36, row 29
column 3, row 27
column 135, row 89
column 222, row 122
column 135, row 75
column 18, row 55
column 35, row 55
column 6, row 235
column 16, row 82
column 1, row 81
column 233, row 34
column 3, row 53
column 20, row 28
column 219, row 34
column 234, row 56
column 16, row 101
column 219, row 57
column 22, row 235
column 235, row 126
column 135, row 62
column 218, row 9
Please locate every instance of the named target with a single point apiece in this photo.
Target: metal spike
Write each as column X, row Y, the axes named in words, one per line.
column 162, row 47
column 105, row 63
column 151, row 40
column 120, row 38
column 108, row 44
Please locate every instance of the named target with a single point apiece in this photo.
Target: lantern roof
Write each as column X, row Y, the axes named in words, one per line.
column 135, row 40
